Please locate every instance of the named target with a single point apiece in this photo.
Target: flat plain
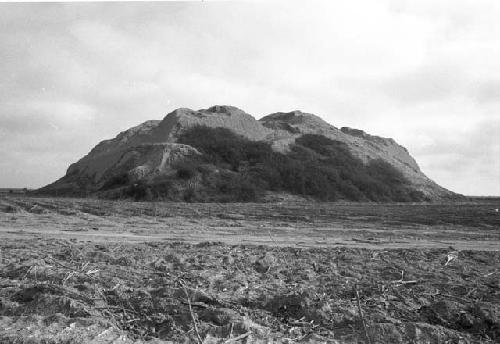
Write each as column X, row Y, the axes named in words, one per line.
column 95, row 271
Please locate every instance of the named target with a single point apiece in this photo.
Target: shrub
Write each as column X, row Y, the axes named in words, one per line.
column 190, row 195
column 186, row 171
column 236, row 187
column 116, row 181
column 383, row 171
column 137, row 191
column 222, row 146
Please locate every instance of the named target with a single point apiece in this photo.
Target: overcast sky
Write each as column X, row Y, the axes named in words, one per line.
column 426, row 73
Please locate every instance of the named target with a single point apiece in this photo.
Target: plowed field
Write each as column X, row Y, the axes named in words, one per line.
column 91, row 271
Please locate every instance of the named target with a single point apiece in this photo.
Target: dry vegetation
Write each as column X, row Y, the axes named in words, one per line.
column 91, row 271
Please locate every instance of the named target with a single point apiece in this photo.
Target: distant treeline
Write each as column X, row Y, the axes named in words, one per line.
column 13, row 190
column 235, row 169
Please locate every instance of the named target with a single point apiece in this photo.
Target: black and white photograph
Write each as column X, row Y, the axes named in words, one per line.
column 229, row 172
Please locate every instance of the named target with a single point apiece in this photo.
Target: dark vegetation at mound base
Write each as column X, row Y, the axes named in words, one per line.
column 235, row 169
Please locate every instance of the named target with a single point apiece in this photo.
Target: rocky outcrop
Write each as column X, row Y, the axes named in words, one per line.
column 228, row 117
column 150, row 148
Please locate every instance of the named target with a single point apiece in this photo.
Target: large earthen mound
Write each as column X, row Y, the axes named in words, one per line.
column 150, row 149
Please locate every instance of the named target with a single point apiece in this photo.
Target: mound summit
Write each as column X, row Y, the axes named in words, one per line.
column 224, row 154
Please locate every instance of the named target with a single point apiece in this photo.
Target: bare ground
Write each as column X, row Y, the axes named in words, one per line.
column 92, row 271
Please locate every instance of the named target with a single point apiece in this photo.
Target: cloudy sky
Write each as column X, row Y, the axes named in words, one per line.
column 425, row 73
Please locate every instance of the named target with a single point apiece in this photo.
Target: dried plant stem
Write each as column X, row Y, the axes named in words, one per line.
column 200, row 341
column 64, row 266
column 360, row 310
column 235, row 339
column 272, row 238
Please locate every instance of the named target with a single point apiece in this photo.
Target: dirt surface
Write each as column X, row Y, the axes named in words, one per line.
column 91, row 271
column 473, row 225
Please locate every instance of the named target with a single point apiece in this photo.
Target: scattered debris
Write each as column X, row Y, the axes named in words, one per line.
column 451, row 257
column 178, row 292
